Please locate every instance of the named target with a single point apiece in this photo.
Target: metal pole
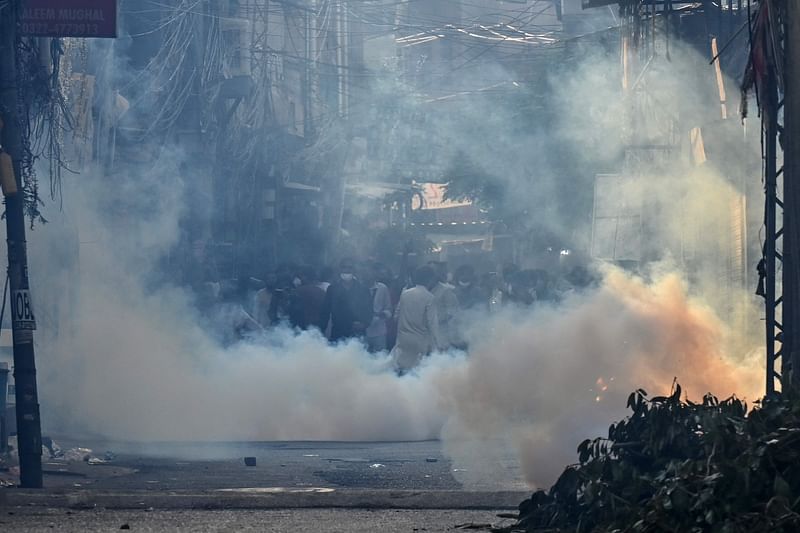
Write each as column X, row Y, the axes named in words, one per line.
column 770, row 208
column 791, row 195
column 29, row 431
column 341, row 55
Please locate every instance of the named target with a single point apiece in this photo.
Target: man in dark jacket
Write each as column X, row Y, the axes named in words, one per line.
column 467, row 290
column 348, row 305
column 306, row 300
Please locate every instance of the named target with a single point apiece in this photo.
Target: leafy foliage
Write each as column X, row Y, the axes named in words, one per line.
column 680, row 466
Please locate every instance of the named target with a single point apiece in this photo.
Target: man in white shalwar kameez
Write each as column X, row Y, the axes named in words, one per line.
column 417, row 323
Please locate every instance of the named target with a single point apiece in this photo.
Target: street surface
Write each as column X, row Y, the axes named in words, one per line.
column 295, row 486
column 418, row 466
column 295, row 520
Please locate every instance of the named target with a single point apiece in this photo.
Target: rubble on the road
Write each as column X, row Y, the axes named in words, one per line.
column 77, row 455
column 50, row 448
column 9, row 475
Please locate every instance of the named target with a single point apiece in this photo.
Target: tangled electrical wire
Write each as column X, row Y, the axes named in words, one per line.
column 44, row 119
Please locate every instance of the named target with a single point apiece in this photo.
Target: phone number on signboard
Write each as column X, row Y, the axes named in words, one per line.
column 59, row 28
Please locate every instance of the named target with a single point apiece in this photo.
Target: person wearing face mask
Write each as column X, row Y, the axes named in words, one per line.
column 348, row 305
column 306, row 301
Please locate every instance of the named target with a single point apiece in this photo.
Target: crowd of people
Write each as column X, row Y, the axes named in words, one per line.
column 409, row 315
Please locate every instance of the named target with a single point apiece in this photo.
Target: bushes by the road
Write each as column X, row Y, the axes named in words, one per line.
column 678, row 466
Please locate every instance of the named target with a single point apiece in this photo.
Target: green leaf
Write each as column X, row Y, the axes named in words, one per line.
column 676, row 395
column 583, row 445
column 781, row 488
column 583, row 451
column 631, row 400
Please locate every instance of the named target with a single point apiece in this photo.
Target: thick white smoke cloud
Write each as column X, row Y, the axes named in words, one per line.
column 131, row 361
column 549, row 378
column 139, row 365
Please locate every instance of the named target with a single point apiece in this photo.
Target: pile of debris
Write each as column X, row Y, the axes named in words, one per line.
column 675, row 465
column 51, row 450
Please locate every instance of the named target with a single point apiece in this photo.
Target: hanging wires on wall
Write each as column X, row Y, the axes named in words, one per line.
column 45, row 118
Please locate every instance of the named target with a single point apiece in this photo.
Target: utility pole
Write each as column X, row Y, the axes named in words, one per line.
column 336, row 193
column 29, row 430
column 791, row 192
column 311, row 88
column 780, row 305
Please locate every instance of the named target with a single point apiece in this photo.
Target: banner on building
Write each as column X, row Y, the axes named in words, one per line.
column 69, row 18
column 433, row 197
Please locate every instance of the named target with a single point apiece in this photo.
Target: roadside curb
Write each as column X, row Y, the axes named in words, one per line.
column 264, row 498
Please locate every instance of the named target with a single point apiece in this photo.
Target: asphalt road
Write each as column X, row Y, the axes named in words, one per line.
column 294, row 487
column 418, row 466
column 294, row 521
